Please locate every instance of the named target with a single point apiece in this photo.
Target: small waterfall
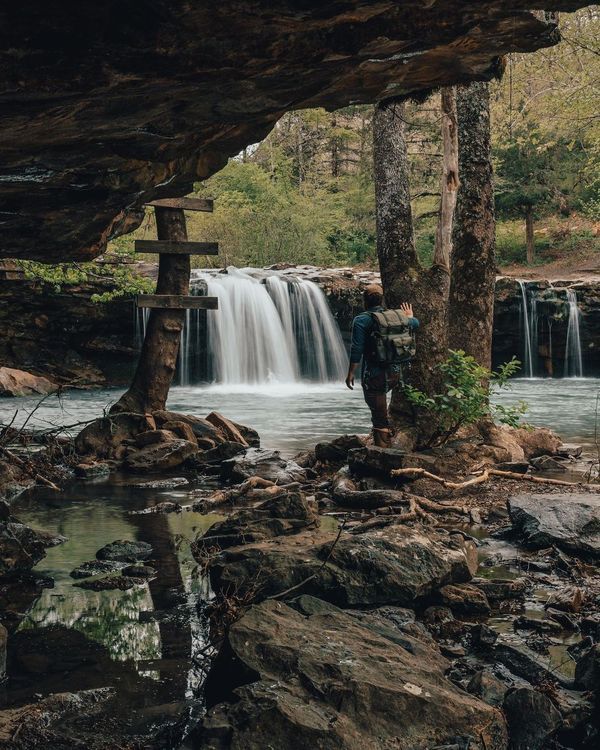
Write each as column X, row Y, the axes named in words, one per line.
column 526, row 328
column 573, row 358
column 269, row 327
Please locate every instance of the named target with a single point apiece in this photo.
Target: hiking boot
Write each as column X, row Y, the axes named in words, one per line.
column 382, row 437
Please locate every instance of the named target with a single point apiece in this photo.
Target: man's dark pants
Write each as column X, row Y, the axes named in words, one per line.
column 375, row 390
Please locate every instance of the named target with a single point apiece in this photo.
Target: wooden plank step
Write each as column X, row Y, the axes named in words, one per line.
column 177, row 302
column 188, row 204
column 176, row 248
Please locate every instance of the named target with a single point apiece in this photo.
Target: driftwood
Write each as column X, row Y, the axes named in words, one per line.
column 28, row 467
column 485, row 475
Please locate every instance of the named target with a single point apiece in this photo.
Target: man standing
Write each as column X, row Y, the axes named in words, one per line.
column 384, row 341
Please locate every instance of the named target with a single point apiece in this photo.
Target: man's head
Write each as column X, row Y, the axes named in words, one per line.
column 373, row 295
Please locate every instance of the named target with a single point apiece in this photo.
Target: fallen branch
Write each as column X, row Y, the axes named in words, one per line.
column 483, row 477
column 29, row 469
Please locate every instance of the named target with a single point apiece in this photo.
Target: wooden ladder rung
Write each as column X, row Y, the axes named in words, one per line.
column 188, row 204
column 162, row 247
column 177, row 302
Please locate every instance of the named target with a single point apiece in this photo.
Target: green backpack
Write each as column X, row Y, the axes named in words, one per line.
column 391, row 340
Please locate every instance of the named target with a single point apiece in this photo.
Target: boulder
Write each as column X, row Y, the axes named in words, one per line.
column 488, row 687
column 570, row 521
column 497, row 589
column 202, row 428
column 124, row 550
column 22, row 383
column 20, row 547
column 328, row 681
column 92, row 470
column 372, row 461
column 104, row 436
column 532, row 718
column 464, row 599
column 278, row 516
column 505, row 440
column 547, row 463
column 336, row 451
column 160, row 457
column 569, row 450
column 262, row 463
column 517, row 467
column 152, row 437
column 537, row 441
column 227, row 427
column 181, row 429
column 96, row 567
column 587, row 671
column 566, row 599
column 380, row 565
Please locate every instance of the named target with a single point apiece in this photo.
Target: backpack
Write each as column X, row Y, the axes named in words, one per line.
column 390, row 340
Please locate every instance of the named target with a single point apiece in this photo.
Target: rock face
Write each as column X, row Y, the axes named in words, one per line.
column 340, row 685
column 372, row 566
column 21, row 383
column 570, row 521
column 161, row 98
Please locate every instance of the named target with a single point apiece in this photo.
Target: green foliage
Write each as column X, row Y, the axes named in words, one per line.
column 120, row 279
column 465, row 398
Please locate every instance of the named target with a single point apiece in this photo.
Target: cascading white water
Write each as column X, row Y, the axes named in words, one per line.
column 269, row 327
column 528, row 364
column 573, row 357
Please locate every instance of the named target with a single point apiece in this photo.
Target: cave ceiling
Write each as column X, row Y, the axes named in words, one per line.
column 105, row 105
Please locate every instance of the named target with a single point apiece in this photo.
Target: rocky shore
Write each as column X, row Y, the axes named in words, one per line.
column 350, row 607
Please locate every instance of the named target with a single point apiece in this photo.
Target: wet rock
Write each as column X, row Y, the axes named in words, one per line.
column 537, row 442
column 502, row 588
column 166, row 507
column 20, row 547
column 569, row 450
column 219, row 453
column 372, row 461
column 279, row 516
column 124, row 550
column 182, row 430
column 152, row 437
column 95, row 567
column 464, row 599
column 92, row 470
column 571, row 521
column 139, row 571
column 547, row 463
column 567, row 622
column 486, row 686
column 18, row 594
column 591, row 626
column 201, row 428
column 532, row 718
column 336, row 451
column 161, row 457
column 160, row 484
column 387, row 564
column 517, row 467
column 508, row 448
column 111, row 583
column 533, row 623
column 525, row 663
column 567, row 599
column 263, row 463
column 340, row 684
column 21, row 383
column 587, row 670
column 227, row 428
column 105, row 436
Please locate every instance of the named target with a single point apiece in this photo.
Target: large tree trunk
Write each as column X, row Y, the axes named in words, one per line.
column 156, row 366
column 449, row 182
column 403, row 278
column 473, row 266
column 529, row 237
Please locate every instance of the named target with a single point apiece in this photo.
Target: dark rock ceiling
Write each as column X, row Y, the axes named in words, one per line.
column 107, row 104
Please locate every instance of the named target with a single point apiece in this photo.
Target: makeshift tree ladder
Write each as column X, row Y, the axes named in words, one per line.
column 158, row 359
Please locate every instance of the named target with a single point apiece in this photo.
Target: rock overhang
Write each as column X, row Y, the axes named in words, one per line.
column 108, row 105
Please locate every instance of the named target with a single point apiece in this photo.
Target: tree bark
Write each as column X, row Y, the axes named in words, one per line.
column 402, row 276
column 473, row 265
column 156, row 366
column 449, row 186
column 529, row 237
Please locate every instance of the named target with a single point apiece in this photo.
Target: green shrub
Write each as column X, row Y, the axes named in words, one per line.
column 465, row 398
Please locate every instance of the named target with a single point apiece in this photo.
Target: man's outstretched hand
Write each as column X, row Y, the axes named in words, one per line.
column 350, row 381
column 406, row 308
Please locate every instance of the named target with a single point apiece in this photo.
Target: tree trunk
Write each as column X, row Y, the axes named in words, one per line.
column 449, row 186
column 156, row 366
column 403, row 278
column 529, row 238
column 473, row 266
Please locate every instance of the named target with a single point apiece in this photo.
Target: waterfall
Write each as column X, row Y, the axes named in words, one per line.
column 270, row 327
column 528, row 362
column 573, row 358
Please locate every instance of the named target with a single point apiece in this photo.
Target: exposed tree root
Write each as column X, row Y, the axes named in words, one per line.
column 485, row 475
